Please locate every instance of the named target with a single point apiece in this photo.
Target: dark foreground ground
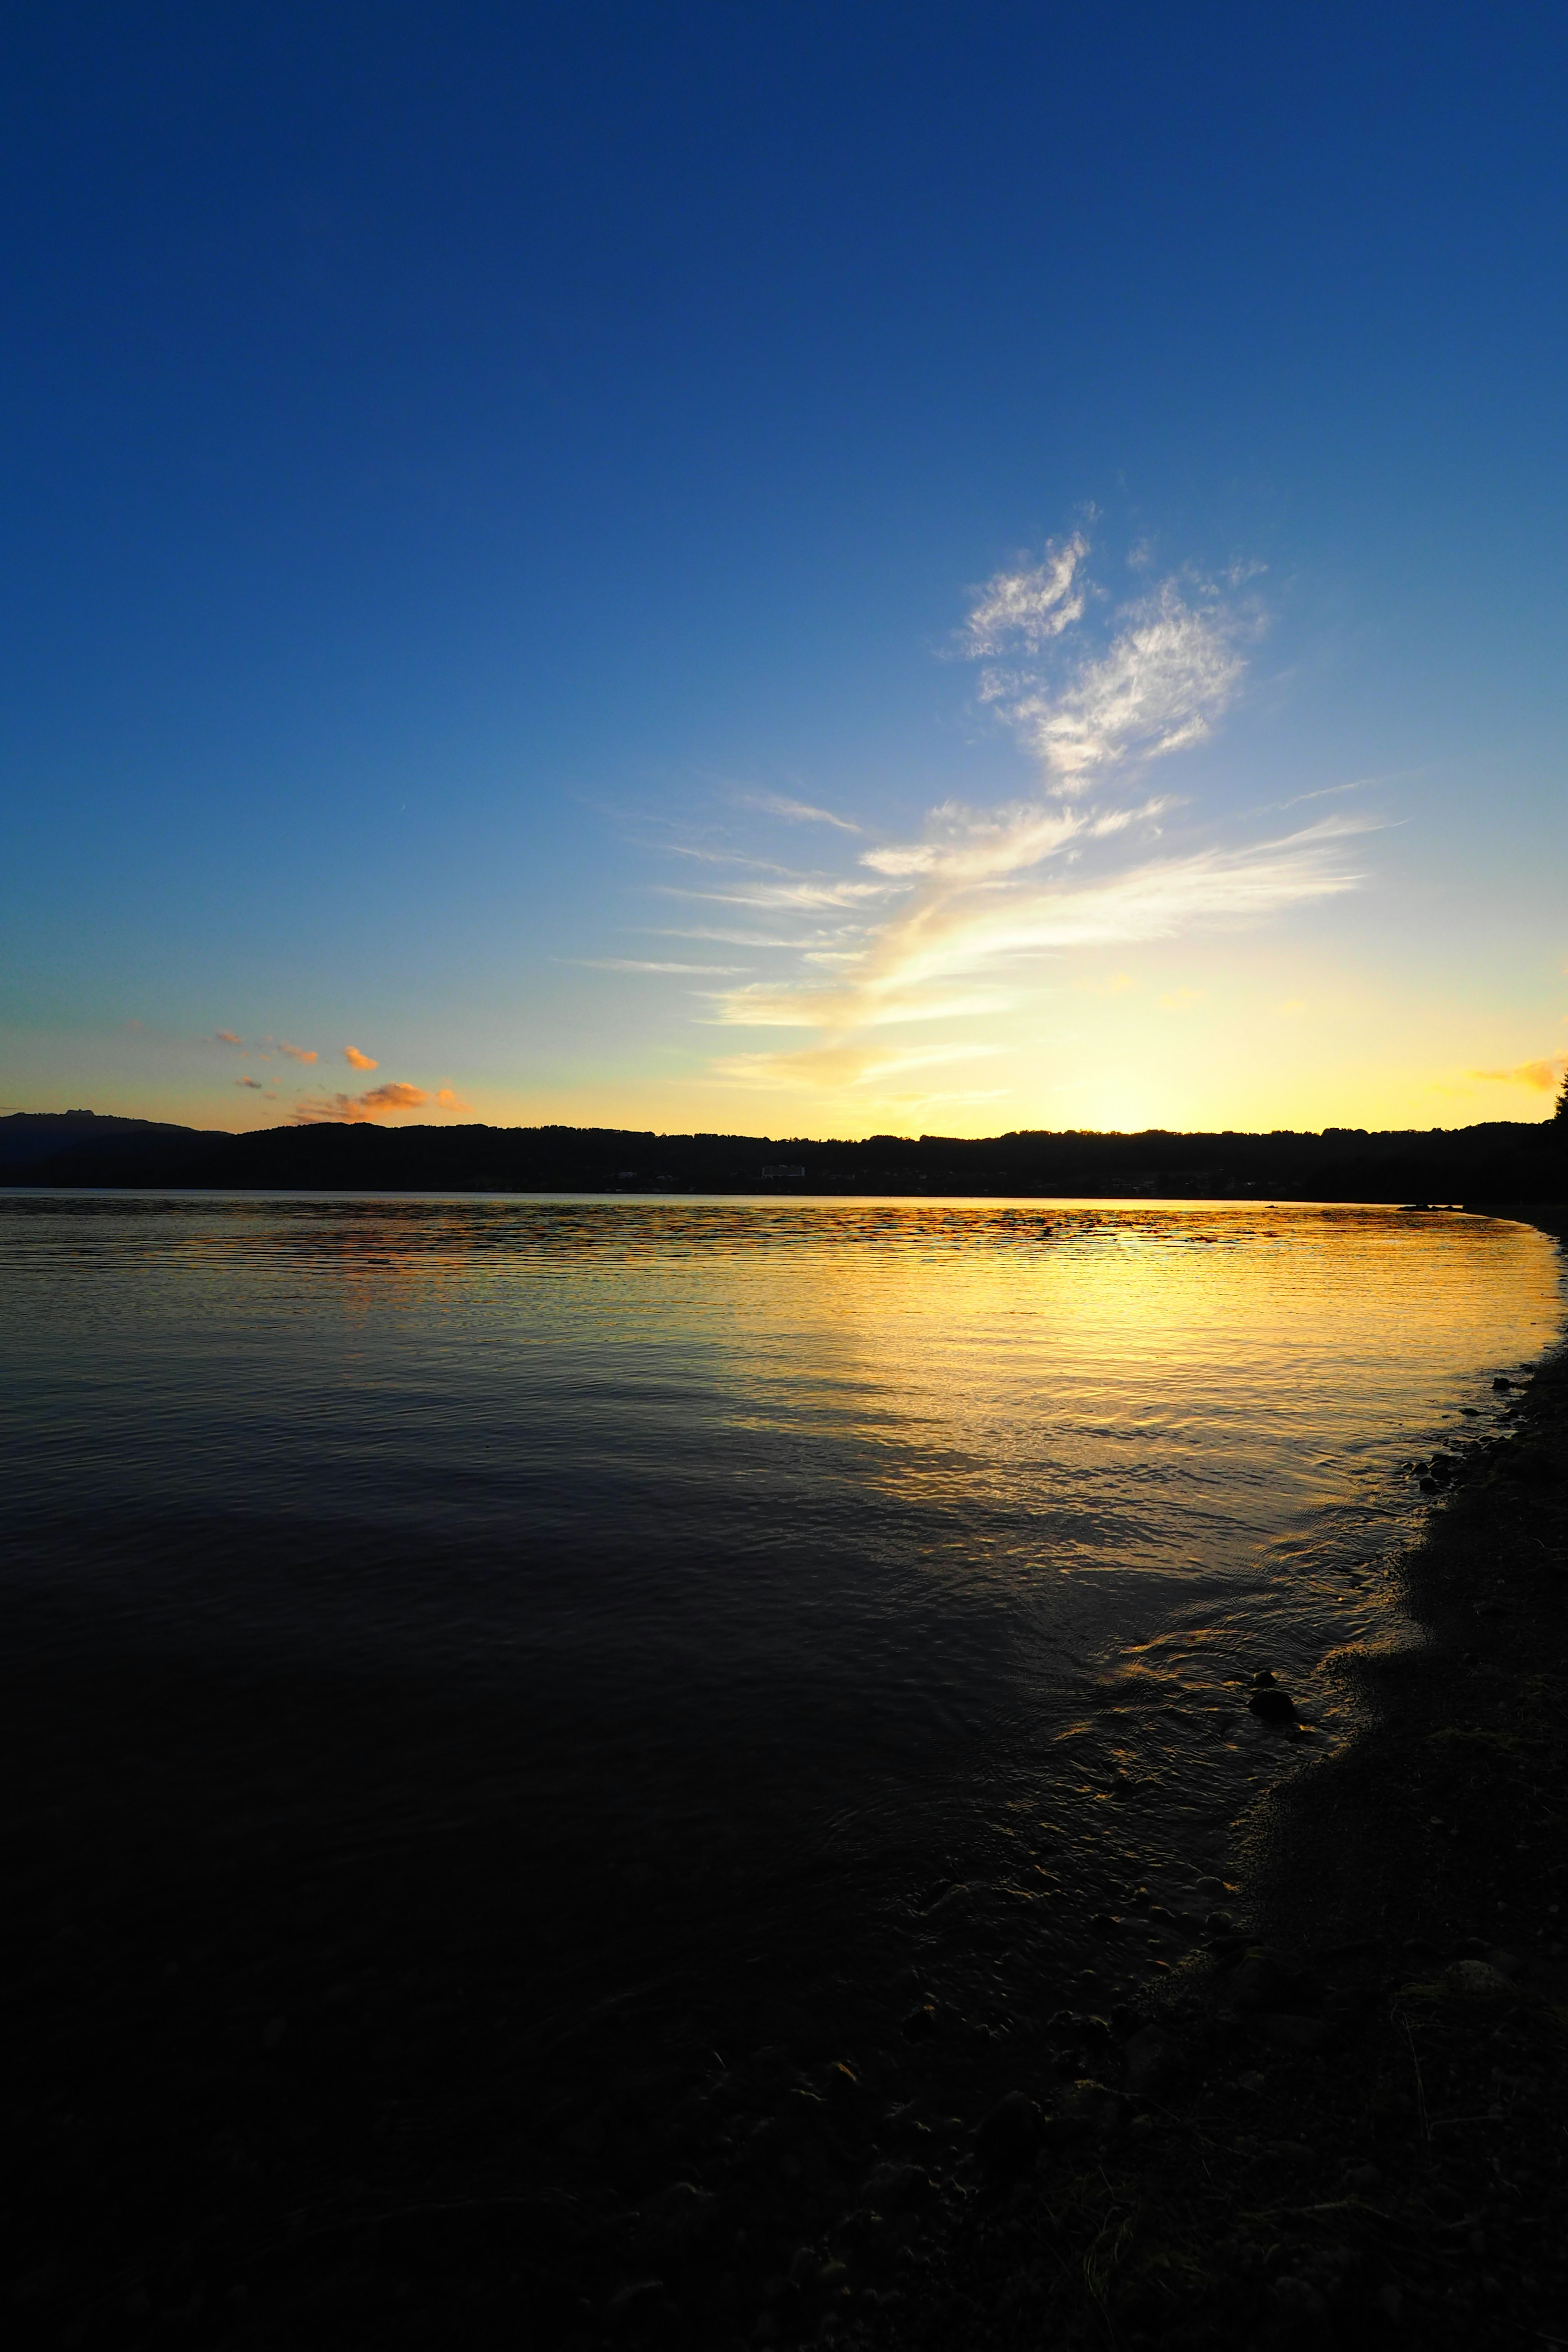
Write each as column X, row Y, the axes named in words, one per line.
column 296, row 2071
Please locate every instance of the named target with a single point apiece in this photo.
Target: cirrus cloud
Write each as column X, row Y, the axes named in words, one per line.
column 949, row 924
column 1172, row 666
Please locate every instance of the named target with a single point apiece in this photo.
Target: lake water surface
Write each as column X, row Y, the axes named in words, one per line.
column 754, row 1572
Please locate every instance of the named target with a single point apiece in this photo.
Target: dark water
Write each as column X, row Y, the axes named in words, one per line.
column 660, row 1608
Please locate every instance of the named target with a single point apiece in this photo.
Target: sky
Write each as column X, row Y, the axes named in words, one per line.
column 788, row 569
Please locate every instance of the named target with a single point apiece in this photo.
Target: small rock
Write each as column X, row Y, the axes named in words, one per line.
column 1478, row 1979
column 920, row 2023
column 1007, row 2140
column 1270, row 1703
column 1220, row 1923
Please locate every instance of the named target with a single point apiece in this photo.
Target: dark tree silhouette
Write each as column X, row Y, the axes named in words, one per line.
column 1561, row 1110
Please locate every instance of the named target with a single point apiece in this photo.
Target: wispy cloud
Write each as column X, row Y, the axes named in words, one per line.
column 254, row 1083
column 824, row 1067
column 796, row 812
column 1172, row 666
column 633, row 963
column 727, row 939
column 358, row 1061
column 823, row 892
column 946, row 927
column 1027, row 609
column 726, row 857
column 983, row 903
column 227, row 1037
column 300, row 1053
column 1546, row 1075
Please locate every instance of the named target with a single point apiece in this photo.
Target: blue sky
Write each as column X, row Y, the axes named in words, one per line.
column 475, row 479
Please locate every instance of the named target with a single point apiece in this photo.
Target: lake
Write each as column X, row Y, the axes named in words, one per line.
column 613, row 1634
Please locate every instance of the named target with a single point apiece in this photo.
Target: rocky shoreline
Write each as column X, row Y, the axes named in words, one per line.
column 1349, row 2110
column 1343, row 2109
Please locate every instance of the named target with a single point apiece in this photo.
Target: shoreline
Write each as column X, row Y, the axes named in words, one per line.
column 1348, row 2112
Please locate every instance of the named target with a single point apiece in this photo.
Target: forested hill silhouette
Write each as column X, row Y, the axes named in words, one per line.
column 1501, row 1162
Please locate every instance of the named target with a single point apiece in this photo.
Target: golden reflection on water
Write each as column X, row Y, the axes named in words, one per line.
column 1170, row 1378
column 883, row 1524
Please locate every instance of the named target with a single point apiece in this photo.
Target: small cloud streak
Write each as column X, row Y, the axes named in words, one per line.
column 446, row 1100
column 797, row 811
column 633, row 963
column 254, row 1083
column 300, row 1053
column 358, row 1061
column 1544, row 1075
column 227, row 1037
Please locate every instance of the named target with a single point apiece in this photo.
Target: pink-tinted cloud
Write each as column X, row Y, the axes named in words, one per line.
column 358, row 1061
column 446, row 1100
column 254, row 1083
column 227, row 1037
column 298, row 1053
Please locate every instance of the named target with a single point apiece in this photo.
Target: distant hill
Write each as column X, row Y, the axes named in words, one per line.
column 29, row 1137
column 1501, row 1162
